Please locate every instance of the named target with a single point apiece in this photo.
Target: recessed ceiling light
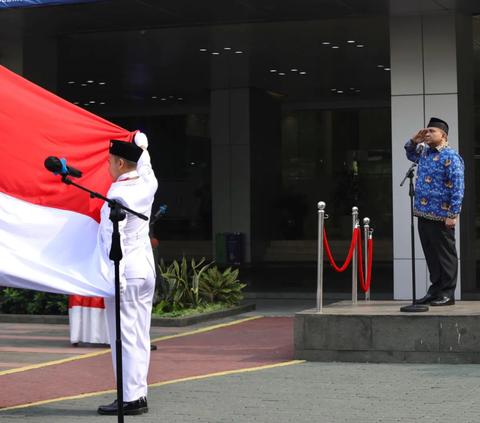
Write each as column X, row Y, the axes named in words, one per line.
column 350, row 42
column 352, row 89
column 357, row 91
column 101, row 83
column 180, row 98
column 333, row 89
column 340, row 92
column 163, row 99
column 92, row 102
column 273, row 70
column 102, row 102
column 380, row 66
column 281, row 73
column 203, row 49
column 192, row 163
column 153, row 96
column 335, row 47
column 227, row 48
column 238, row 52
column 71, row 82
column 360, row 46
column 90, row 81
column 84, row 85
column 215, row 53
column 294, row 70
column 303, row 73
column 326, row 43
column 387, row 69
column 76, row 102
column 86, row 104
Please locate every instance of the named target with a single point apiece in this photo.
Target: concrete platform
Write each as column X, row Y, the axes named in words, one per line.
column 378, row 332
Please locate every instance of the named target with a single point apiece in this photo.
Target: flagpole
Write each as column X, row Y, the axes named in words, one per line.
column 117, row 214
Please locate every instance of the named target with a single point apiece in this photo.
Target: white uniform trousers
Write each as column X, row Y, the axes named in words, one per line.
column 136, row 317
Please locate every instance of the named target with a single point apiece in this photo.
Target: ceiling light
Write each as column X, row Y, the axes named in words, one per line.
column 350, row 42
column 101, row 83
column 92, row 102
column 215, row 53
column 192, row 163
column 203, row 49
column 340, row 92
column 281, row 73
column 238, row 52
column 86, row 104
column 294, row 70
column 76, row 102
column 357, row 91
column 71, row 82
column 360, row 45
column 273, row 70
column 380, row 66
column 303, row 73
column 325, row 43
column 102, row 102
column 387, row 69
column 227, row 48
column 154, row 96
column 333, row 89
column 335, row 47
column 84, row 85
column 90, row 81
column 163, row 99
column 180, row 98
column 352, row 89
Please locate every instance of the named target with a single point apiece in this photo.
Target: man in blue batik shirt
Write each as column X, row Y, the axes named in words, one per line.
column 439, row 188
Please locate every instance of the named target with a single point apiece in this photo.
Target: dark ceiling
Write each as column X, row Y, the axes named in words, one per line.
column 151, row 48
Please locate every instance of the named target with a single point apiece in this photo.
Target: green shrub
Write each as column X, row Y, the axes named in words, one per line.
column 221, row 287
column 25, row 301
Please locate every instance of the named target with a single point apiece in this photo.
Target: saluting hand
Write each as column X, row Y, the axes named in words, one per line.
column 419, row 136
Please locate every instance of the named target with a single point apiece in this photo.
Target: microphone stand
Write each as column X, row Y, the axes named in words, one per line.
column 414, row 307
column 117, row 214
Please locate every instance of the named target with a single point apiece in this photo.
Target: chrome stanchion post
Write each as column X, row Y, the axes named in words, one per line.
column 366, row 233
column 354, row 258
column 321, row 218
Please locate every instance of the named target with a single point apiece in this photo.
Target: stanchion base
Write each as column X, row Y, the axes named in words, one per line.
column 414, row 308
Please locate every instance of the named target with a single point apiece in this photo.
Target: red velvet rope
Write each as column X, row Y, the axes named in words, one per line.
column 355, row 237
column 366, row 286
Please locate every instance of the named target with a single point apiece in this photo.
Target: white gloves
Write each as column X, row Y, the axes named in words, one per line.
column 141, row 139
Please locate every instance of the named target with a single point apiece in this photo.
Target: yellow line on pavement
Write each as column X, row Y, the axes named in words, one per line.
column 168, row 382
column 163, row 338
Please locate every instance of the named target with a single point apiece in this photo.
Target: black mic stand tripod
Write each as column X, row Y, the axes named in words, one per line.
column 117, row 214
column 414, row 307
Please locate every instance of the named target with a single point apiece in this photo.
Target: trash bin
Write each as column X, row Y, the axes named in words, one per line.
column 234, row 248
column 221, row 248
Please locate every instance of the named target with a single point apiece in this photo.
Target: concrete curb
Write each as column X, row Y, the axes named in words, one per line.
column 156, row 321
column 204, row 317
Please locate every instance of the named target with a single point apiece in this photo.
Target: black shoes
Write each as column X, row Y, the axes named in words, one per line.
column 427, row 299
column 132, row 408
column 443, row 301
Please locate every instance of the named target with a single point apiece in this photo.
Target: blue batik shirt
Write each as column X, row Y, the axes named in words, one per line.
column 439, row 183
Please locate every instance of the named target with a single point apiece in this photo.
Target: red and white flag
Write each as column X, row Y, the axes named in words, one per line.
column 48, row 230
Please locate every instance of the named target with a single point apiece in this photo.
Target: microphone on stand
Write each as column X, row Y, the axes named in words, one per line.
column 57, row 166
column 158, row 214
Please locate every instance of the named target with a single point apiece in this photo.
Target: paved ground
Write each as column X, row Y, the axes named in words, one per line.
column 256, row 379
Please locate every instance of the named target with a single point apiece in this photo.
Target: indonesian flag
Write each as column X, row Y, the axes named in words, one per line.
column 48, row 230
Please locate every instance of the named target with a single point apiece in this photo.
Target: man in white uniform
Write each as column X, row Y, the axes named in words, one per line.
column 134, row 186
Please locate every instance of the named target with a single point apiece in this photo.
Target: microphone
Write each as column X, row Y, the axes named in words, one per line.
column 162, row 210
column 57, row 166
column 421, row 148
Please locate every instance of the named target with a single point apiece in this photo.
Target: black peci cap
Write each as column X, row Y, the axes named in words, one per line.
column 438, row 123
column 125, row 150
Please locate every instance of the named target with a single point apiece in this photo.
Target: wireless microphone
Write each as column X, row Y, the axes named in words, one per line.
column 57, row 166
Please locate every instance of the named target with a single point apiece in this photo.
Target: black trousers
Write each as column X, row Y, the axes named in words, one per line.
column 438, row 243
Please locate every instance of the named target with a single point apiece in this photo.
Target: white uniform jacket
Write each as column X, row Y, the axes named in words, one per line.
column 136, row 194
